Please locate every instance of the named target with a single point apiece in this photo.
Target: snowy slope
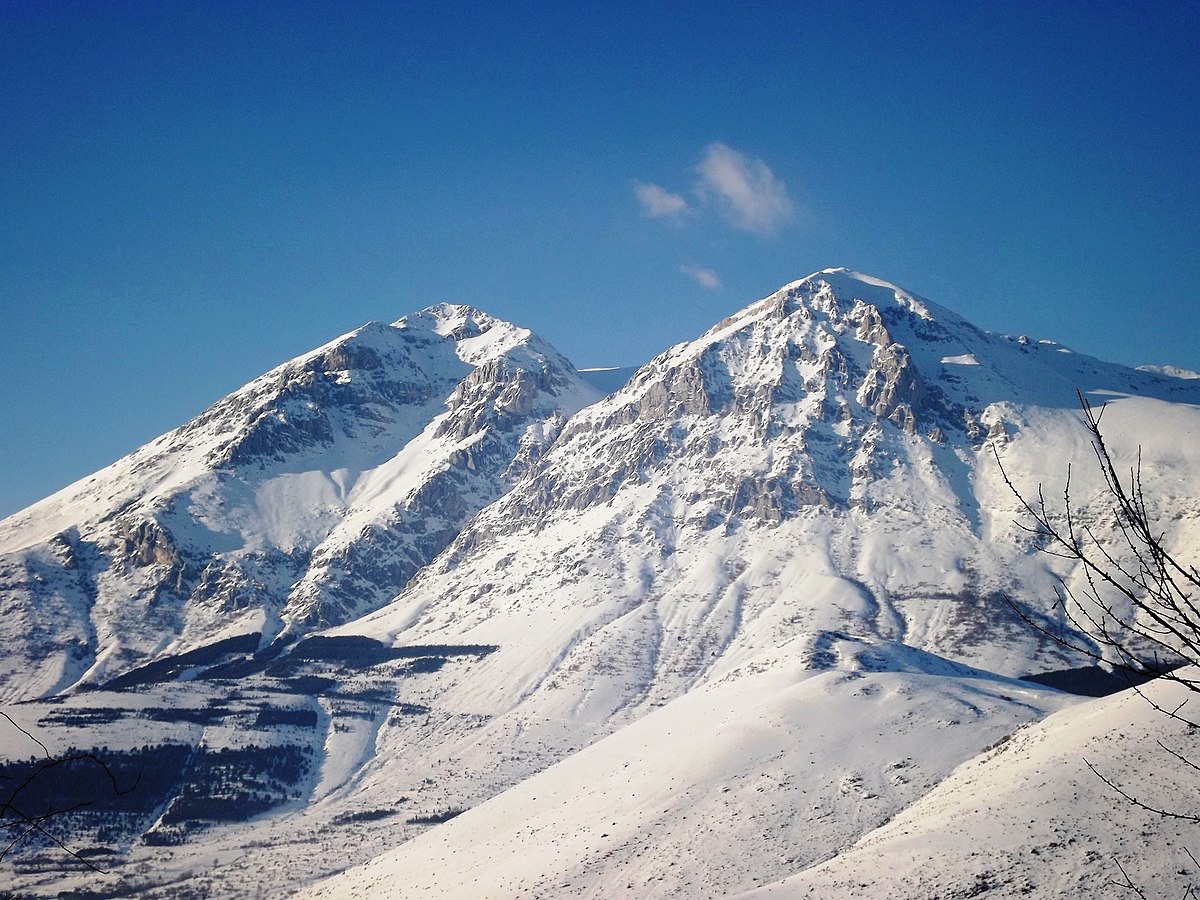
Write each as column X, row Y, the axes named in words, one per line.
column 1029, row 818
column 305, row 498
column 822, row 462
column 778, row 765
column 797, row 468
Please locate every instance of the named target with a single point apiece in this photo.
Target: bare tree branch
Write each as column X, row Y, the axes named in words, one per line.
column 1166, row 814
column 1156, row 627
column 1134, row 608
column 1128, row 882
column 15, row 819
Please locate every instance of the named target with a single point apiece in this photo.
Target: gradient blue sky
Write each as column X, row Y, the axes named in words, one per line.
column 191, row 193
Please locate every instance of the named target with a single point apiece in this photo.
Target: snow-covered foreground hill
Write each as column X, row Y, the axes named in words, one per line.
column 1030, row 818
column 710, row 632
column 774, row 767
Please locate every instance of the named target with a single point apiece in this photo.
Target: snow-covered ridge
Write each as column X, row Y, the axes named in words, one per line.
column 819, row 465
column 305, row 497
column 1029, row 817
column 716, row 626
column 719, row 790
column 1171, row 372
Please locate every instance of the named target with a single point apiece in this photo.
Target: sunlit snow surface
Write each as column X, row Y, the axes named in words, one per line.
column 305, row 498
column 1030, row 818
column 776, row 766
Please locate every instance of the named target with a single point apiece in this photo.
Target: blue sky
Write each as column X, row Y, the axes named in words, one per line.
column 195, row 192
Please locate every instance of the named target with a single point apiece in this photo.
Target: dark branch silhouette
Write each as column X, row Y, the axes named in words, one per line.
column 1138, row 609
column 17, row 822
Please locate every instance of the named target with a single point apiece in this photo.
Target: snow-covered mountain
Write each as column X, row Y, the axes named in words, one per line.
column 307, row 497
column 700, row 635
column 826, row 459
column 823, row 464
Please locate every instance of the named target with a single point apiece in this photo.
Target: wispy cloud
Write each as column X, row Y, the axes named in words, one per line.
column 657, row 202
column 703, row 277
column 747, row 191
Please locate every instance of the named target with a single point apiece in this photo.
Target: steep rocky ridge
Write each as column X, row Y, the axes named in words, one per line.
column 305, row 498
column 839, row 427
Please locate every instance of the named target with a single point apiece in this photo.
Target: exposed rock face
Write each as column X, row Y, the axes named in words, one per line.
column 498, row 420
column 787, row 388
column 349, row 390
column 144, row 543
column 840, row 426
column 892, row 388
column 308, row 497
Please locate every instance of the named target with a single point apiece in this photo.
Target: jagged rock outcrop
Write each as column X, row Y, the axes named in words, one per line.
column 827, row 428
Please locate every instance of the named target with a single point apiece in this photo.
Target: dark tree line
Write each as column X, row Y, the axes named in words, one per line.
column 46, row 792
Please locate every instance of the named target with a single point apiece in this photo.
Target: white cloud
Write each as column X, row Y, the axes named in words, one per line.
column 657, row 202
column 750, row 195
column 703, row 277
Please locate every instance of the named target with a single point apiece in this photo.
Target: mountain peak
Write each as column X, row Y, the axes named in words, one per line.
column 478, row 335
column 797, row 517
column 453, row 320
column 874, row 291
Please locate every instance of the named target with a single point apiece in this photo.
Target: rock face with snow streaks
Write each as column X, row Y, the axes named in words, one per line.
column 815, row 474
column 306, row 498
column 824, row 459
